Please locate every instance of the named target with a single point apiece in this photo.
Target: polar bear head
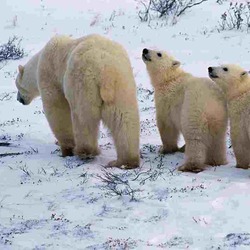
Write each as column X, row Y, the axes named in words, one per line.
column 26, row 85
column 231, row 78
column 160, row 65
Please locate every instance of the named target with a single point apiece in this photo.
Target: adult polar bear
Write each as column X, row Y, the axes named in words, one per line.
column 193, row 106
column 81, row 82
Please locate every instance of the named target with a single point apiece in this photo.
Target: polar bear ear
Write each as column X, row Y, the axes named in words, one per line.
column 244, row 74
column 176, row 64
column 20, row 69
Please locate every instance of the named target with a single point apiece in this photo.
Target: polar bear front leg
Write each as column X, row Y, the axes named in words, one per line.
column 57, row 112
column 242, row 158
column 125, row 129
column 216, row 153
column 240, row 143
column 82, row 92
column 242, row 153
column 195, row 153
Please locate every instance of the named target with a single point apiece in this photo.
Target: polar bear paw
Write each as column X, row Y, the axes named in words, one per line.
column 86, row 153
column 118, row 164
column 191, row 167
column 164, row 150
column 67, row 151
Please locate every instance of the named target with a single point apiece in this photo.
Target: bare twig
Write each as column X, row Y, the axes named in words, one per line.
column 3, row 64
column 25, row 170
column 195, row 220
column 4, row 144
column 189, row 5
column 236, row 17
column 153, row 173
column 84, row 178
column 11, row 50
column 117, row 186
column 6, row 96
column 166, row 8
column 10, row 154
column 144, row 15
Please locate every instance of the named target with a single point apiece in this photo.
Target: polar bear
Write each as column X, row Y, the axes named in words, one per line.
column 235, row 82
column 189, row 105
column 81, row 82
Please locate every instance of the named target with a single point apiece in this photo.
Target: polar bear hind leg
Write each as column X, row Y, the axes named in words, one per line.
column 57, row 112
column 85, row 104
column 123, row 127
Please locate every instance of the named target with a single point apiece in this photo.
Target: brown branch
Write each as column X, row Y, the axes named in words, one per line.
column 190, row 6
column 4, row 144
column 10, row 154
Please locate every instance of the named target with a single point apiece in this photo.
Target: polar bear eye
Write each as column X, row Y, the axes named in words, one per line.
column 225, row 69
column 159, row 54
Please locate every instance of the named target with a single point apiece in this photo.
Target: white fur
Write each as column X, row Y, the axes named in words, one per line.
column 81, row 82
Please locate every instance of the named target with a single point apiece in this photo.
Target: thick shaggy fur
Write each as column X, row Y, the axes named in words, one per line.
column 235, row 82
column 81, row 82
column 189, row 105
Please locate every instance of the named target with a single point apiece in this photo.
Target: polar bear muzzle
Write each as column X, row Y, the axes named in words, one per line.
column 146, row 55
column 20, row 98
column 212, row 73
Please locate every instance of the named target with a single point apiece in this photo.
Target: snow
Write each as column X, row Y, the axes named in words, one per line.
column 50, row 202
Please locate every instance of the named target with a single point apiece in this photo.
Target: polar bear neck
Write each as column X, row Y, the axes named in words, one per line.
column 31, row 71
column 168, row 78
column 236, row 91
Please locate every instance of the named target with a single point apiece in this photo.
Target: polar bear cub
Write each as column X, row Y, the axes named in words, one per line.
column 193, row 106
column 235, row 82
column 81, row 82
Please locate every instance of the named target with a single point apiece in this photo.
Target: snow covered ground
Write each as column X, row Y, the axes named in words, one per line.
column 49, row 202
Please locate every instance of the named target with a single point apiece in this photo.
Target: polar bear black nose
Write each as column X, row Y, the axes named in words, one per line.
column 20, row 99
column 145, row 51
column 210, row 69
